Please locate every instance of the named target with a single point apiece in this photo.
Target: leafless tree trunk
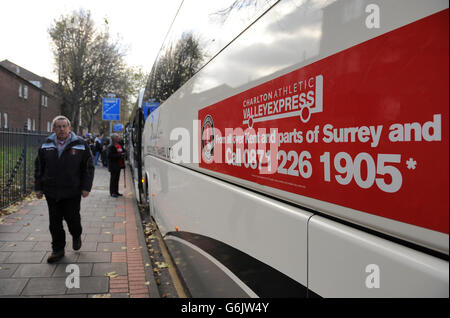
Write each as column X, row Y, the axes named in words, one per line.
column 90, row 65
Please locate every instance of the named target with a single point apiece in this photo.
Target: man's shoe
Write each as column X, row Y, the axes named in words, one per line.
column 76, row 243
column 55, row 256
column 119, row 194
column 114, row 195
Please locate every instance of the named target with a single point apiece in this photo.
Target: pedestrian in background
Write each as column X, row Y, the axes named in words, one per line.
column 98, row 148
column 64, row 172
column 91, row 143
column 105, row 144
column 116, row 162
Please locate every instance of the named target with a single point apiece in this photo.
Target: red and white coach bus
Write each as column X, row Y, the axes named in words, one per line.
column 307, row 152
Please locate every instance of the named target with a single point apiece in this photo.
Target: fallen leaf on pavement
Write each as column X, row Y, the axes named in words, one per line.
column 102, row 296
column 112, row 274
column 162, row 265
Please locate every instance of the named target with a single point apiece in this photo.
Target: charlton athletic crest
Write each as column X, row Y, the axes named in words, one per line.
column 208, row 138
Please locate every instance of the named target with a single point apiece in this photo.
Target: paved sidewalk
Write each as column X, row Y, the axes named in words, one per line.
column 113, row 245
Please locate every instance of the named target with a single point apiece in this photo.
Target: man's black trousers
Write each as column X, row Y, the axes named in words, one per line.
column 59, row 210
column 114, row 182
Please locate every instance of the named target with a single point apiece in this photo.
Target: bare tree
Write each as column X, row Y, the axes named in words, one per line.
column 90, row 65
column 71, row 36
column 237, row 5
column 178, row 64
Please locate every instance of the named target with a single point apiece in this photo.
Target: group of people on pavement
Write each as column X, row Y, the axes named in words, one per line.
column 98, row 145
column 64, row 173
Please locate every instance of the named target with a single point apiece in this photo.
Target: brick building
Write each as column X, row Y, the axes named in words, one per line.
column 26, row 99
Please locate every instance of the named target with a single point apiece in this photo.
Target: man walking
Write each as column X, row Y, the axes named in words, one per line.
column 64, row 172
column 116, row 156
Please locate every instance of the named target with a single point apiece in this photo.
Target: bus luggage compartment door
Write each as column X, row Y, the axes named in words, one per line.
column 346, row 262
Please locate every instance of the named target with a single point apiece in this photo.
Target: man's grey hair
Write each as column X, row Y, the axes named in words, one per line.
column 60, row 117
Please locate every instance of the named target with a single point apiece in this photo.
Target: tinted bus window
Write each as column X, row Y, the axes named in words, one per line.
column 201, row 29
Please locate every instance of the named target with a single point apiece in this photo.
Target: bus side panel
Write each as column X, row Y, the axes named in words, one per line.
column 269, row 233
column 345, row 262
column 292, row 36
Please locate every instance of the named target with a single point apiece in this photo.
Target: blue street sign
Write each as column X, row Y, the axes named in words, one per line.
column 148, row 107
column 117, row 127
column 111, row 109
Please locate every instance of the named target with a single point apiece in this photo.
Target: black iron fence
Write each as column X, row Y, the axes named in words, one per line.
column 18, row 150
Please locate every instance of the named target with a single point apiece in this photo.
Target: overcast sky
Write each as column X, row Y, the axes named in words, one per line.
column 140, row 24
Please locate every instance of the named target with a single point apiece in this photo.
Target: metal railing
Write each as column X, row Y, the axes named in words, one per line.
column 18, row 150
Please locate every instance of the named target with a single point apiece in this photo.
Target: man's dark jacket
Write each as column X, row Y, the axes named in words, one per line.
column 65, row 176
column 114, row 158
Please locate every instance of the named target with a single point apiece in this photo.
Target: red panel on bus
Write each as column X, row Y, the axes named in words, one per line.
column 366, row 128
